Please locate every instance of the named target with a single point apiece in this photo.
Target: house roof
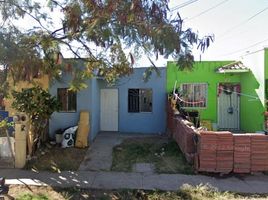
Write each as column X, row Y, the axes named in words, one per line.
column 234, row 67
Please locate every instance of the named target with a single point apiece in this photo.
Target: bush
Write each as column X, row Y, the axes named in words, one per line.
column 39, row 105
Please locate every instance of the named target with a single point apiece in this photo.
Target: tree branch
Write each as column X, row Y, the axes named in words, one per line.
column 57, row 4
column 28, row 13
column 87, row 48
column 57, row 30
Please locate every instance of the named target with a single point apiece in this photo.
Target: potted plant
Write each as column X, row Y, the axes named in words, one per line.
column 58, row 135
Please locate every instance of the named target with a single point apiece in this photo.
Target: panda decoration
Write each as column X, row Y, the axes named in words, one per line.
column 69, row 137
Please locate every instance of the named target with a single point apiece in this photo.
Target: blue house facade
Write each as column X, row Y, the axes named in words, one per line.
column 130, row 106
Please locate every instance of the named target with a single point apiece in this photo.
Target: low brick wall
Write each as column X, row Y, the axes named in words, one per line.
column 223, row 151
column 215, row 152
column 170, row 120
column 242, row 153
column 183, row 134
column 259, row 152
column 227, row 152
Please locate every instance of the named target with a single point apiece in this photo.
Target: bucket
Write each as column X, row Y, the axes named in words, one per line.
column 58, row 138
column 214, row 127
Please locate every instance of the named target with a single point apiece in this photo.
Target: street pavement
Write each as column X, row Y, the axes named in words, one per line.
column 121, row 180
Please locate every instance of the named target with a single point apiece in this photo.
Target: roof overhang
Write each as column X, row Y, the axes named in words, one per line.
column 232, row 71
column 234, row 67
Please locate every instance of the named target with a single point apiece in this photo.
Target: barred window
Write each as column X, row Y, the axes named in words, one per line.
column 194, row 95
column 67, row 99
column 139, row 100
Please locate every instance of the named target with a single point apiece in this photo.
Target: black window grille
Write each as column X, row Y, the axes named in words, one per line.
column 139, row 100
column 67, row 99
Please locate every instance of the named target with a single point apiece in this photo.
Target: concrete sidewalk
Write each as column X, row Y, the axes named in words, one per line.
column 99, row 155
column 120, row 180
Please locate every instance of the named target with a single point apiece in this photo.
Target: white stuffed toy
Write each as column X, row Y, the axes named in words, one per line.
column 68, row 137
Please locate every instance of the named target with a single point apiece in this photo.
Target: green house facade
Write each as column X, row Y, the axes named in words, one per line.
column 228, row 94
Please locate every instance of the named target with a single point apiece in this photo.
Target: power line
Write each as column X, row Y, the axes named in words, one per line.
column 231, row 36
column 207, row 10
column 243, row 22
column 183, row 5
column 242, row 49
column 252, row 52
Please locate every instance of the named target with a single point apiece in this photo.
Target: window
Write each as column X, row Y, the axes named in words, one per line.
column 140, row 100
column 67, row 99
column 194, row 95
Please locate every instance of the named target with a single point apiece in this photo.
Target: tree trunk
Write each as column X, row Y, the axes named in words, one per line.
column 30, row 138
column 44, row 133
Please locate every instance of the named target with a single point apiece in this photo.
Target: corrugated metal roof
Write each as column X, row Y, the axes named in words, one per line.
column 235, row 67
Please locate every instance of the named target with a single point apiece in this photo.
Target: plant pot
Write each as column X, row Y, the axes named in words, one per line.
column 58, row 138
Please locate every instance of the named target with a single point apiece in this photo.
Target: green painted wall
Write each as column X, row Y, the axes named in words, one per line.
column 204, row 72
column 266, row 73
column 252, row 118
column 251, row 110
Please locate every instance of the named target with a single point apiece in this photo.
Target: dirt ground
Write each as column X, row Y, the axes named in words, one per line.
column 17, row 191
column 202, row 192
column 57, row 159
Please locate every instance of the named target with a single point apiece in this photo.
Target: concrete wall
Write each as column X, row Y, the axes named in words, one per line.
column 148, row 123
column 252, row 118
column 255, row 62
column 97, row 84
column 251, row 109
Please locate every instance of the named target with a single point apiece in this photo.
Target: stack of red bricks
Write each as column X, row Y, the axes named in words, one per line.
column 184, row 136
column 259, row 152
column 215, row 152
column 170, row 119
column 225, row 152
column 242, row 153
column 219, row 151
column 207, row 152
column 178, row 134
column 182, row 133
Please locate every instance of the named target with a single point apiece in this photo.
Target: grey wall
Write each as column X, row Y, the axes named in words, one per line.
column 154, row 122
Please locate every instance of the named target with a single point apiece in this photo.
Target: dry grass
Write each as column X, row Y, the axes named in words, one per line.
column 57, row 159
column 164, row 154
column 22, row 192
column 202, row 192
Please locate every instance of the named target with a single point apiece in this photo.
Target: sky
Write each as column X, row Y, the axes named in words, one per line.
column 240, row 27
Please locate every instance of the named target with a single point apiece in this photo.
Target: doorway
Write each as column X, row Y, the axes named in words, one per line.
column 109, row 110
column 228, row 106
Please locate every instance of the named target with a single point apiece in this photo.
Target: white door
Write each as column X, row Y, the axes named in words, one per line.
column 109, row 110
column 228, row 111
